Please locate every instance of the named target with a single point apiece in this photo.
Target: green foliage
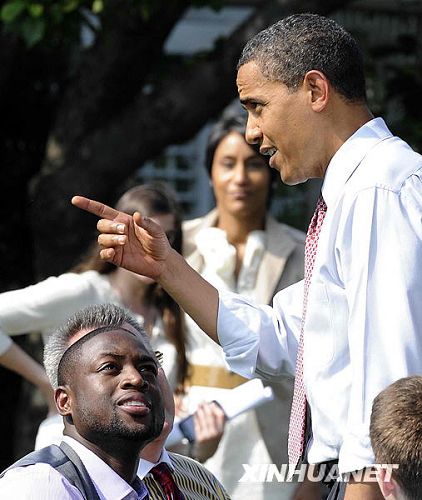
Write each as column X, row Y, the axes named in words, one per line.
column 33, row 29
column 36, row 9
column 35, row 21
column 97, row 6
column 11, row 10
column 71, row 5
column 46, row 21
column 26, row 15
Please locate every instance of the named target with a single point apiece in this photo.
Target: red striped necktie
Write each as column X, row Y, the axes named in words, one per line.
column 298, row 412
column 162, row 474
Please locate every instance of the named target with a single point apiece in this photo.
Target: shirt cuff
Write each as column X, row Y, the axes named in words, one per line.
column 356, row 453
column 237, row 327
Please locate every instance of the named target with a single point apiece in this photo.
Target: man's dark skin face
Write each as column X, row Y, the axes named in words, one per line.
column 113, row 399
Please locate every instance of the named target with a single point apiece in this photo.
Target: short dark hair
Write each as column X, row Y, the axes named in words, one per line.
column 90, row 318
column 288, row 49
column 230, row 122
column 151, row 199
column 396, row 432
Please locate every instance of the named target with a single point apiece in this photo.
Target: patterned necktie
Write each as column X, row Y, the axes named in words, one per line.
column 162, row 474
column 298, row 412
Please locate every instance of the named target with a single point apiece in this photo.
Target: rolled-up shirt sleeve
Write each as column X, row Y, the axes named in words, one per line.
column 260, row 340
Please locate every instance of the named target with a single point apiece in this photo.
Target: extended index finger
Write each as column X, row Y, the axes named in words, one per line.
column 95, row 207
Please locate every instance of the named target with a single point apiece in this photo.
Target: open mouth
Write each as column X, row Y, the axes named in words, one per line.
column 268, row 151
column 135, row 406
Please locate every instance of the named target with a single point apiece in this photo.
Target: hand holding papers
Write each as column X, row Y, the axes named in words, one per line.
column 233, row 402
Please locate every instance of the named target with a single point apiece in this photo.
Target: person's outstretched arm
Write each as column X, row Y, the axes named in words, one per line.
column 140, row 245
column 17, row 360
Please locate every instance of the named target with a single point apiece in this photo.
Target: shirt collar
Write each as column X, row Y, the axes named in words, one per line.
column 107, row 482
column 145, row 466
column 349, row 156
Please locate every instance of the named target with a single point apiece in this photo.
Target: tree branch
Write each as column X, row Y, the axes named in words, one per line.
column 177, row 108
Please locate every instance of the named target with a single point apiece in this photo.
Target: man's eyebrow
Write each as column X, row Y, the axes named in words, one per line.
column 250, row 100
column 142, row 358
column 110, row 353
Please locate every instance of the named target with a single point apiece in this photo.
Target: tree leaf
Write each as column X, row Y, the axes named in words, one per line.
column 11, row 10
column 97, row 6
column 70, row 5
column 33, row 30
column 36, row 9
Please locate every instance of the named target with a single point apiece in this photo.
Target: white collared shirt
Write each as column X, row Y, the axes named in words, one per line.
column 220, row 259
column 363, row 326
column 41, row 481
column 109, row 485
column 145, row 466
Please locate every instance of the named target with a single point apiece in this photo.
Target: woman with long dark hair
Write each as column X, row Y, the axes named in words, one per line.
column 240, row 247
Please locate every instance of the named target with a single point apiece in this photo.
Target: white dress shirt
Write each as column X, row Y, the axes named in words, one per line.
column 145, row 466
column 363, row 326
column 218, row 268
column 43, row 482
column 219, row 258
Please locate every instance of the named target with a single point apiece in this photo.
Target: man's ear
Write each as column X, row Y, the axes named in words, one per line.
column 318, row 87
column 388, row 485
column 63, row 400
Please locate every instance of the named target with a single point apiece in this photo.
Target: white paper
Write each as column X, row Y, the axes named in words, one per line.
column 234, row 402
column 244, row 397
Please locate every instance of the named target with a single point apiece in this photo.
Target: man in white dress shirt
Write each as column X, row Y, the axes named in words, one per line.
column 301, row 81
column 106, row 388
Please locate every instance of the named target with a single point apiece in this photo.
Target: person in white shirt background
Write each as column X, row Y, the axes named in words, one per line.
column 302, row 82
column 240, row 247
column 106, row 388
column 45, row 305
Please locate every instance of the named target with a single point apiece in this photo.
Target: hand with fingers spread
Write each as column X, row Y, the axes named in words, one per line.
column 134, row 242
